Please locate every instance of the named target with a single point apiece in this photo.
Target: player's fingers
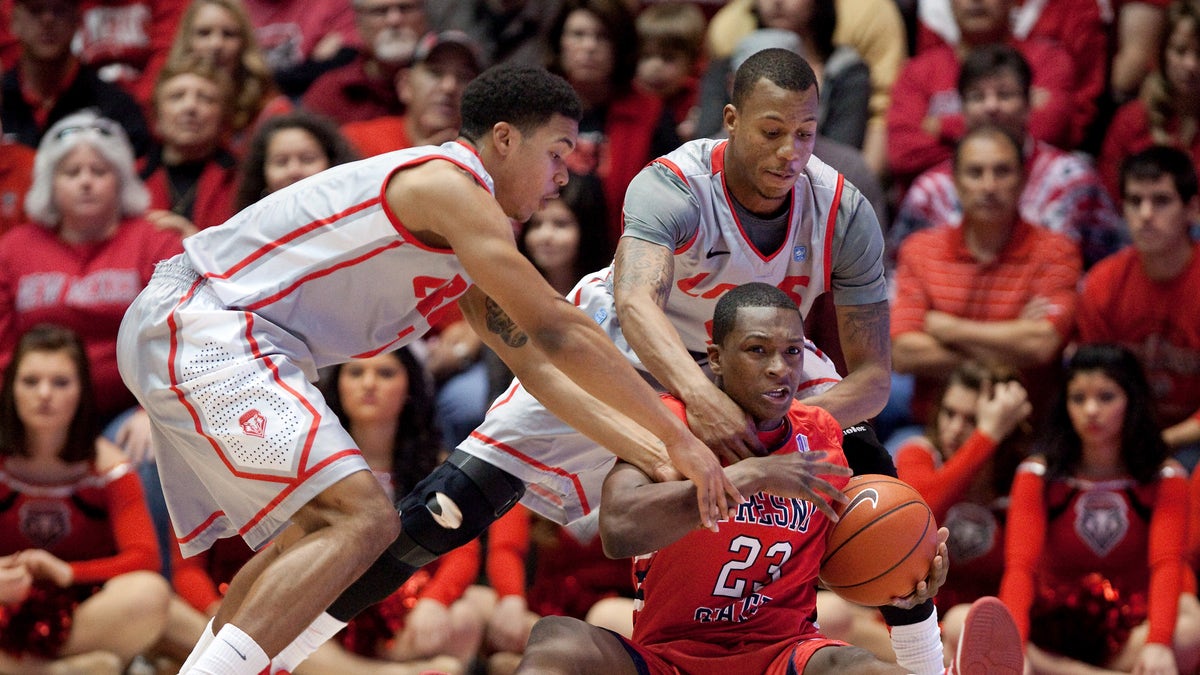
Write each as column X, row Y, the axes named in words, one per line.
column 704, row 504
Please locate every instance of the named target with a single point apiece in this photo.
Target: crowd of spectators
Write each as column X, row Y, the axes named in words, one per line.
column 1039, row 157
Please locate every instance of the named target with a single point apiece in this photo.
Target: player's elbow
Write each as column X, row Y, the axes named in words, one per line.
column 616, row 536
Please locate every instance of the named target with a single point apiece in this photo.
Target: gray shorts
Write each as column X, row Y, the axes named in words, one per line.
column 242, row 437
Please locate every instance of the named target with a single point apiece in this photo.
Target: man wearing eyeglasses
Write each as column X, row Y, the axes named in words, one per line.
column 364, row 88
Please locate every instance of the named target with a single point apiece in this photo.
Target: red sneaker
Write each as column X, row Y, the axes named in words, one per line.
column 990, row 643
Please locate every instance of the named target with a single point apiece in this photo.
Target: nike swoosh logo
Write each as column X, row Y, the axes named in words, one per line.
column 868, row 495
column 712, row 253
column 235, row 649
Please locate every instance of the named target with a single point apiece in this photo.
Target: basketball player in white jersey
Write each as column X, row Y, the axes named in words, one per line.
column 223, row 345
column 701, row 220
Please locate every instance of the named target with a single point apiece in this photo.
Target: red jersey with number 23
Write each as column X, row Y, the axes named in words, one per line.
column 712, row 601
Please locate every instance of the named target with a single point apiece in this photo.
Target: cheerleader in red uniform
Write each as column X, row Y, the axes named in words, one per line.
column 963, row 467
column 1095, row 560
column 72, row 519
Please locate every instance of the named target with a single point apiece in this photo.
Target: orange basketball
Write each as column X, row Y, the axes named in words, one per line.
column 884, row 543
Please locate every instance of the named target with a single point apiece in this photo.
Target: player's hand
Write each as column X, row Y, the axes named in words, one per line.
column 928, row 587
column 1155, row 659
column 134, row 438
column 716, row 495
column 723, row 426
column 797, row 475
column 425, row 631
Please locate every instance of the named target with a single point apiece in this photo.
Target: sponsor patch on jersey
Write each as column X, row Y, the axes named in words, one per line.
column 800, row 253
column 802, row 443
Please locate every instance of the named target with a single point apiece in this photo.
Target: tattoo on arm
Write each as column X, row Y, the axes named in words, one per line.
column 499, row 323
column 643, row 266
column 868, row 327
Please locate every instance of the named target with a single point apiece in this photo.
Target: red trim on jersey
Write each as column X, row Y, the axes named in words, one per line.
column 673, row 167
column 202, row 527
column 512, row 390
column 291, row 487
column 538, row 465
column 812, row 383
column 717, row 158
column 375, row 352
column 829, row 226
column 289, row 237
column 395, row 220
column 729, row 200
column 321, row 273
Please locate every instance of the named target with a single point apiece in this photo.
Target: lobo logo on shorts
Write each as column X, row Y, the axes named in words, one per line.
column 253, row 423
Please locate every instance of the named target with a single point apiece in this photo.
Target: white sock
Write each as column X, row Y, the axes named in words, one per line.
column 231, row 652
column 918, row 646
column 205, row 638
column 320, row 630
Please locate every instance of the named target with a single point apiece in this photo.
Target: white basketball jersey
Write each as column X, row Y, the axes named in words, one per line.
column 326, row 260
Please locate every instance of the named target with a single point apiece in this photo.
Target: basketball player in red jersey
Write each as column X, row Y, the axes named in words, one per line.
column 741, row 599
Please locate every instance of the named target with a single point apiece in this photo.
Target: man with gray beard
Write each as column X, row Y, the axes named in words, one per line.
column 365, row 88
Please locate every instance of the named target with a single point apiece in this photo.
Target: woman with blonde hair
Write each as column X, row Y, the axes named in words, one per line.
column 220, row 32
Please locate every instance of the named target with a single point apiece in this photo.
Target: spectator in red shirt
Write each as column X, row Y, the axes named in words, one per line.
column 594, row 45
column 48, row 82
column 995, row 289
column 925, row 120
column 220, row 32
column 1062, row 192
column 1168, row 110
column 1081, row 28
column 1145, row 298
column 127, row 41
column 191, row 175
column 365, row 88
column 431, row 90
column 87, row 251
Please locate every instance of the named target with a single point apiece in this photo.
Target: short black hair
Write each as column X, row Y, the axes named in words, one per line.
column 781, row 67
column 524, row 96
column 1157, row 161
column 991, row 60
column 753, row 294
column 994, row 131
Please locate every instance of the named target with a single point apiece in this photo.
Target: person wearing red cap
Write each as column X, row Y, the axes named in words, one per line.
column 431, row 90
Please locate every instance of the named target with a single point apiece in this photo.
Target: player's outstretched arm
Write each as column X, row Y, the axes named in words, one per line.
column 864, row 334
column 571, row 403
column 640, row 516
column 440, row 201
column 642, row 278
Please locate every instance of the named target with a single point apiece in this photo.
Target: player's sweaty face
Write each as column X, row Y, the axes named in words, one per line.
column 771, row 140
column 760, row 361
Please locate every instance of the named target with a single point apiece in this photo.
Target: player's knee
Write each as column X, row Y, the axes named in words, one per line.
column 452, row 506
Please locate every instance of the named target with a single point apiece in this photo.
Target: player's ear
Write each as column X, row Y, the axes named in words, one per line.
column 714, row 359
column 504, row 137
